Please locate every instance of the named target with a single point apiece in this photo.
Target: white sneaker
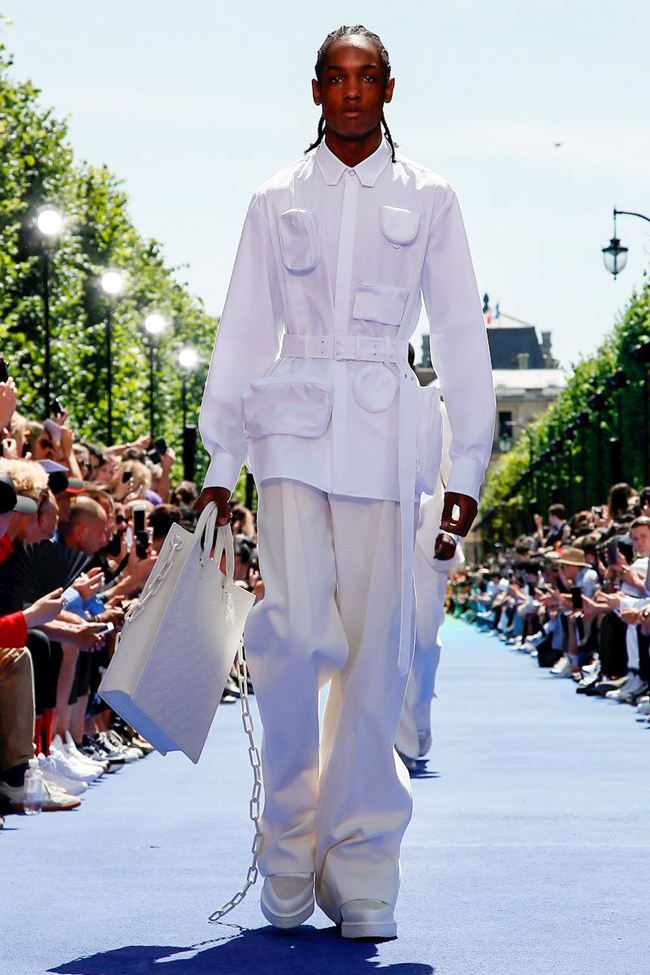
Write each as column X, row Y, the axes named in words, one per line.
column 627, row 691
column 95, row 768
column 53, row 799
column 643, row 708
column 368, row 919
column 288, row 900
column 590, row 669
column 66, row 766
column 562, row 668
column 57, row 778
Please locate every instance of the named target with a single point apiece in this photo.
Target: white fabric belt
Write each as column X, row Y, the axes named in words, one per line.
column 366, row 348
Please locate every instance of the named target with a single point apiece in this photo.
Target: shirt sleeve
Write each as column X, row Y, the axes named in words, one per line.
column 13, row 630
column 247, row 342
column 459, row 347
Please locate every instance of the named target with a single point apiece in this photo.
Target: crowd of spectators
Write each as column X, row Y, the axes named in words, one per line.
column 81, row 526
column 575, row 595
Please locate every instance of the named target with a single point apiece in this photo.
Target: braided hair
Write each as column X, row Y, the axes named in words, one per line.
column 357, row 31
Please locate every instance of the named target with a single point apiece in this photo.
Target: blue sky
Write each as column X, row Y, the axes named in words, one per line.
column 195, row 104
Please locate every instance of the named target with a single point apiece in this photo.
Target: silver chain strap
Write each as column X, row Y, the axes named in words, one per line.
column 254, row 805
column 148, row 593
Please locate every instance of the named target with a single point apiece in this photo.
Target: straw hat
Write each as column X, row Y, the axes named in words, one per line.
column 573, row 556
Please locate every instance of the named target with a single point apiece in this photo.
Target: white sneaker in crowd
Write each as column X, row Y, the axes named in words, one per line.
column 53, row 798
column 643, row 708
column 562, row 668
column 65, row 764
column 95, row 768
column 625, row 694
column 52, row 772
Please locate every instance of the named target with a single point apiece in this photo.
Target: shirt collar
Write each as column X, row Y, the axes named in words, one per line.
column 368, row 171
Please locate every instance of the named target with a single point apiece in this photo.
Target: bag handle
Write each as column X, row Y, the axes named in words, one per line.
column 225, row 542
column 205, row 531
column 205, row 527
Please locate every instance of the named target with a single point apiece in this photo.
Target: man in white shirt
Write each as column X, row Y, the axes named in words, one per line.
column 309, row 381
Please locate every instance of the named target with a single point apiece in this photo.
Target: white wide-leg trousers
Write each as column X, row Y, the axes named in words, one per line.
column 430, row 591
column 337, row 803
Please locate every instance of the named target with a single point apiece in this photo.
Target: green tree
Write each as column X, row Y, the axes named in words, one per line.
column 577, row 429
column 37, row 166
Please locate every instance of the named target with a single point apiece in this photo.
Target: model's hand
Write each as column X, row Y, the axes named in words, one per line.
column 445, row 547
column 221, row 497
column 468, row 509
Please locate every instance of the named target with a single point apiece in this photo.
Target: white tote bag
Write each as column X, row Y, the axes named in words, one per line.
column 179, row 641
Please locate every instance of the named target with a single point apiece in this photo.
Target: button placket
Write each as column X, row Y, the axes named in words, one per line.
column 342, row 303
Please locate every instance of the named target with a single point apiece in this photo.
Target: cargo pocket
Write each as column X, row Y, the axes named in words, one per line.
column 299, row 241
column 428, row 439
column 375, row 387
column 399, row 226
column 286, row 406
column 379, row 303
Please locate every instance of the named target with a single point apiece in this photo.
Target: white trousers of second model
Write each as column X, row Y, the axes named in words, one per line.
column 430, row 594
column 336, row 803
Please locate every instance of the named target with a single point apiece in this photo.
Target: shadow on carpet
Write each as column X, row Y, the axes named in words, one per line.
column 259, row 951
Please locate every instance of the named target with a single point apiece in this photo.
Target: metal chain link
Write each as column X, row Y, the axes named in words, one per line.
column 147, row 594
column 254, row 805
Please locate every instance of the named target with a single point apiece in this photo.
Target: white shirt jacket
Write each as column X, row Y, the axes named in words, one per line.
column 329, row 254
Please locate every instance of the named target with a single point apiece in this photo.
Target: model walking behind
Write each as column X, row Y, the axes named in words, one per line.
column 310, row 382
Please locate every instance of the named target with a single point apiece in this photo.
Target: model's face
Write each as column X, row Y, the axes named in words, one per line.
column 352, row 91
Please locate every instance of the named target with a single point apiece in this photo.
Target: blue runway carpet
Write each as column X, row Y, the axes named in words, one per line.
column 527, row 854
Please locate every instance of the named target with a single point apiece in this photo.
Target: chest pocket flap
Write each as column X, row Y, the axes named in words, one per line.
column 379, row 303
column 399, row 226
column 299, row 241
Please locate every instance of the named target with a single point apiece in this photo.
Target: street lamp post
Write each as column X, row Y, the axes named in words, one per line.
column 641, row 355
column 614, row 255
column 112, row 284
column 188, row 360
column 154, row 325
column 49, row 224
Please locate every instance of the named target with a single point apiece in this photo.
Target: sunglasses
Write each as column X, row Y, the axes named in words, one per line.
column 46, row 443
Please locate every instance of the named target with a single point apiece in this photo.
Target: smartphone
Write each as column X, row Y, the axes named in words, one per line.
column 4, row 372
column 140, row 531
column 534, row 507
column 126, row 476
column 139, row 519
column 56, row 407
column 576, row 597
column 612, row 553
column 106, row 628
column 161, row 446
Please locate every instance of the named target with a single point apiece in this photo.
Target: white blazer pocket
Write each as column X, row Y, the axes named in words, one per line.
column 399, row 226
column 298, row 408
column 379, row 303
column 299, row 241
column 428, row 440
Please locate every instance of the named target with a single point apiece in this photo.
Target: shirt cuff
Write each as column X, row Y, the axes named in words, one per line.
column 224, row 471
column 466, row 477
